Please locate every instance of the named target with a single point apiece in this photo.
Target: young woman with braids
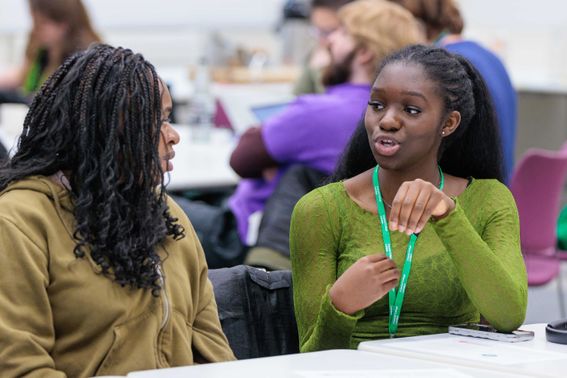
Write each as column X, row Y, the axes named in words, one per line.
column 417, row 188
column 100, row 271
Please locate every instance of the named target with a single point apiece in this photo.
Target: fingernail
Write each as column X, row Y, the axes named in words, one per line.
column 409, row 231
column 401, row 228
column 393, row 226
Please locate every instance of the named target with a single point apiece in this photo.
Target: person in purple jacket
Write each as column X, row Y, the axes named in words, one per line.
column 444, row 25
column 312, row 130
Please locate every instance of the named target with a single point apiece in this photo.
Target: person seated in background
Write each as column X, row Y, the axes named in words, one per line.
column 60, row 28
column 324, row 20
column 444, row 25
column 311, row 131
column 101, row 273
column 417, row 188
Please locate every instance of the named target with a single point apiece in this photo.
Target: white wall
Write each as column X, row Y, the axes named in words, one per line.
column 168, row 32
column 157, row 13
column 530, row 36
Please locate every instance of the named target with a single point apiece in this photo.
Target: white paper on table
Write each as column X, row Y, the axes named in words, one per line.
column 386, row 373
column 479, row 350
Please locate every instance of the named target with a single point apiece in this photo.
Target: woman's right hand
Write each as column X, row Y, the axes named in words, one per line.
column 365, row 282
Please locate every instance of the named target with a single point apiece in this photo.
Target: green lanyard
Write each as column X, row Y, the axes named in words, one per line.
column 395, row 300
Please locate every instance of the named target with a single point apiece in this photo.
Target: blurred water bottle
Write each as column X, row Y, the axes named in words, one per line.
column 202, row 104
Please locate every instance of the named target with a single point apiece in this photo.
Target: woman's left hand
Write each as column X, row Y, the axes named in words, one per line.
column 415, row 203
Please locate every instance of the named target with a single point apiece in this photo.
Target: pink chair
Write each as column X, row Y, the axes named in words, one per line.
column 537, row 185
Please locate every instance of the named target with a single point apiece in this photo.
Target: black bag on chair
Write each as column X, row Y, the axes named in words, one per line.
column 297, row 181
column 256, row 310
column 3, row 153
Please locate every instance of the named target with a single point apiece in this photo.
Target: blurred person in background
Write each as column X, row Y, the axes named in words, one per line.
column 443, row 25
column 324, row 21
column 60, row 28
column 312, row 130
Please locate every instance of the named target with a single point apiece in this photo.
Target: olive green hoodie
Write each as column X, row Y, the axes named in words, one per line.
column 60, row 317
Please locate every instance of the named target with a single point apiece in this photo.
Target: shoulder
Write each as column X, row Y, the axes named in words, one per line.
column 323, row 194
column 182, row 219
column 25, row 206
column 31, row 215
column 333, row 100
column 175, row 210
column 482, row 58
column 489, row 194
column 300, row 111
column 490, row 187
column 188, row 248
column 321, row 201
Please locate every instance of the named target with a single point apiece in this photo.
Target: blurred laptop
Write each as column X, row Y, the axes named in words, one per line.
column 265, row 112
column 243, row 106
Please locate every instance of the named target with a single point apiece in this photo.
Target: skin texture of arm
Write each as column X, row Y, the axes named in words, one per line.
column 12, row 78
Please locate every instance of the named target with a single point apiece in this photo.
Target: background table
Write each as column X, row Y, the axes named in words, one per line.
column 202, row 164
column 536, row 358
column 197, row 164
column 11, row 122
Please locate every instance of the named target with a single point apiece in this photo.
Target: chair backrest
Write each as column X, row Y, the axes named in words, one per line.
column 537, row 185
column 3, row 152
column 297, row 181
column 256, row 310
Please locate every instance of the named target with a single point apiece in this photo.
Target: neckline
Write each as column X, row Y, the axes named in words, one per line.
column 353, row 203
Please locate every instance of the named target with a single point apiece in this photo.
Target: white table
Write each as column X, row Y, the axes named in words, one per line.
column 197, row 164
column 328, row 364
column 536, row 358
column 11, row 123
column 202, row 164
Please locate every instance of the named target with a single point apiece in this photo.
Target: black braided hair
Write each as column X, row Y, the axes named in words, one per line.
column 98, row 119
column 473, row 149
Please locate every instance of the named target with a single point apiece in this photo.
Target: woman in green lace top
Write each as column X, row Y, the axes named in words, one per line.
column 430, row 139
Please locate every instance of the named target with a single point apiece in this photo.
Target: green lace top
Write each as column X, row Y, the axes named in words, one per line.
column 466, row 264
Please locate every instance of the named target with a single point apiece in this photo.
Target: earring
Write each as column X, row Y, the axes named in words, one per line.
column 442, row 133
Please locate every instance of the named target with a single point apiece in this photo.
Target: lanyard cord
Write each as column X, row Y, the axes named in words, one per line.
column 396, row 299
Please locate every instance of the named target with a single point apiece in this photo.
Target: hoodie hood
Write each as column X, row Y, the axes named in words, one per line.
column 28, row 193
column 44, row 185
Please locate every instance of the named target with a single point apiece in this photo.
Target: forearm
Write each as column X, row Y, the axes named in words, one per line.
column 331, row 330
column 250, row 158
column 313, row 247
column 12, row 78
column 491, row 271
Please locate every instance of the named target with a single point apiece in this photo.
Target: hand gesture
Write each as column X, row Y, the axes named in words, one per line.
column 366, row 281
column 415, row 202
